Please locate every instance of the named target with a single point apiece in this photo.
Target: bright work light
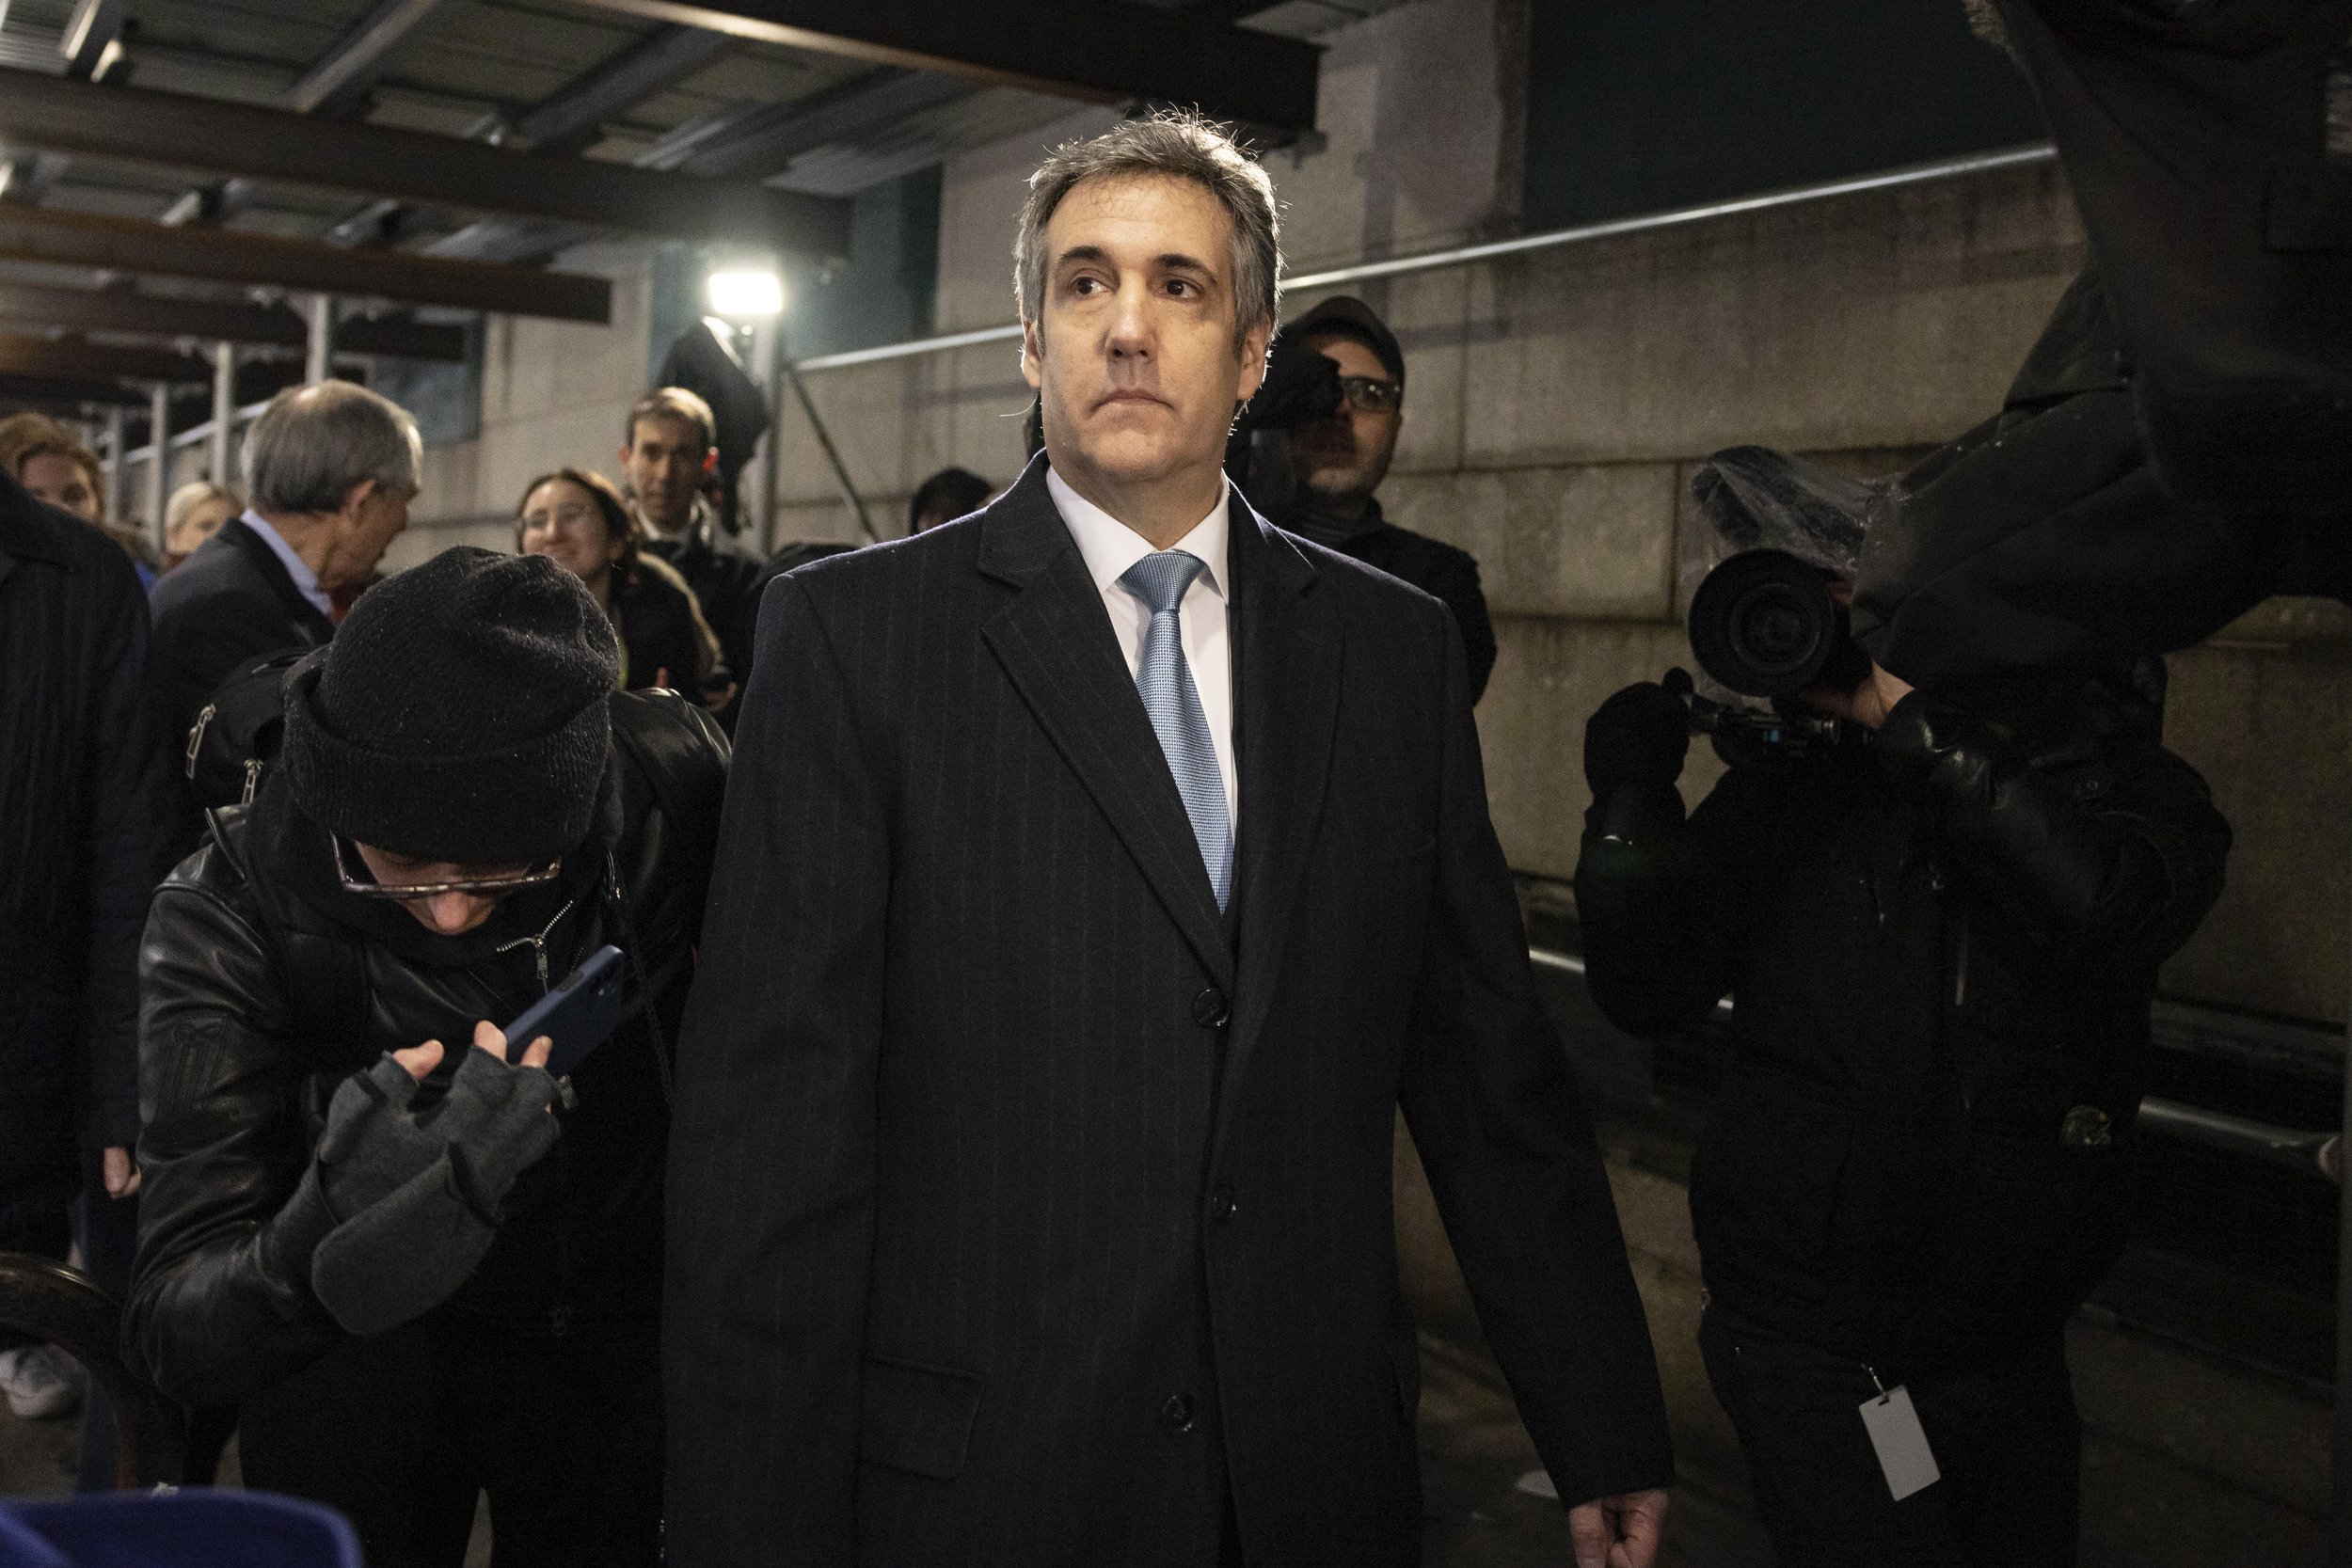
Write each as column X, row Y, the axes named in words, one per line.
column 746, row 295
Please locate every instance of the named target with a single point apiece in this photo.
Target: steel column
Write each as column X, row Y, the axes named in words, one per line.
column 115, row 467
column 158, row 460
column 224, row 412
column 318, row 359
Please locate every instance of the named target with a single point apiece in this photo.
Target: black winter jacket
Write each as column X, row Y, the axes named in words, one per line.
column 83, row 792
column 264, row 986
column 1440, row 570
column 1942, row 950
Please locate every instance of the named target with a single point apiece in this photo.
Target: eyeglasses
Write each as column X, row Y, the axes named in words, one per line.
column 1371, row 394
column 538, row 874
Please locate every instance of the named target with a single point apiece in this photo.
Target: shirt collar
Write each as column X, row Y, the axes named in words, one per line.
column 305, row 581
column 1110, row 547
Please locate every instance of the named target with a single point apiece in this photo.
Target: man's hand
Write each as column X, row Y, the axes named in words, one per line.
column 121, row 1172
column 1867, row 705
column 1618, row 1532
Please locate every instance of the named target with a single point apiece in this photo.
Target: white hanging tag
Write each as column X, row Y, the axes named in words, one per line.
column 1902, row 1447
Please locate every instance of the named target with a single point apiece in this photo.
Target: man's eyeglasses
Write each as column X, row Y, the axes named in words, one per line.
column 1371, row 394
column 353, row 872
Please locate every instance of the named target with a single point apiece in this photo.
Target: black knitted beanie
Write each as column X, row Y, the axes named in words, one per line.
column 459, row 712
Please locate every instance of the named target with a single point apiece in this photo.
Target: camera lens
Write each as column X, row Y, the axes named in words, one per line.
column 1763, row 624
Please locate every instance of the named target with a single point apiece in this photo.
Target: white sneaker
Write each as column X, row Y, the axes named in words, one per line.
column 41, row 1381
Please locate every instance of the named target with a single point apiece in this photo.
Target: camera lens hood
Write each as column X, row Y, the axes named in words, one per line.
column 1763, row 623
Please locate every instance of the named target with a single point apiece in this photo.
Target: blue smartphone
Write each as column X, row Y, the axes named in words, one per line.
column 579, row 1014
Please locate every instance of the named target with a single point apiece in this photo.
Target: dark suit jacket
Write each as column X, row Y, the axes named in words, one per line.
column 1022, row 1210
column 228, row 605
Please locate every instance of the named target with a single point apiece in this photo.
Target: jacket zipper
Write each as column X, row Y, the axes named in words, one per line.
column 196, row 738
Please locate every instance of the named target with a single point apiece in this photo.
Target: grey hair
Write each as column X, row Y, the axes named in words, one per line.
column 313, row 443
column 1184, row 146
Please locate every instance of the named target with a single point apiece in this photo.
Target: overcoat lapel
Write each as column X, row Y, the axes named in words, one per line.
column 1286, row 661
column 1055, row 641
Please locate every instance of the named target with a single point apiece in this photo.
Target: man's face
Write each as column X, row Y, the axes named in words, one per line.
column 1133, row 352
column 1349, row 454
column 665, row 460
column 372, row 518
column 447, row 915
column 54, row 477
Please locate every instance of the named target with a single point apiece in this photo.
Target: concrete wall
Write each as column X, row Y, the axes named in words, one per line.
column 554, row 394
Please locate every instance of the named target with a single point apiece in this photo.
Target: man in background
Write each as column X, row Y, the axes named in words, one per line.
column 331, row 468
column 1342, row 461
column 82, row 804
column 669, row 445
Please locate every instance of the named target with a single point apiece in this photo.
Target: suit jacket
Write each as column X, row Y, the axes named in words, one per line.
column 228, row 605
column 1024, row 1210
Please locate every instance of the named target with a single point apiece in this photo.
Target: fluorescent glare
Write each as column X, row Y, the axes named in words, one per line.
column 746, row 295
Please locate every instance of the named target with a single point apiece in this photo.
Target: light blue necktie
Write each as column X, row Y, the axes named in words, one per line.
column 1165, row 680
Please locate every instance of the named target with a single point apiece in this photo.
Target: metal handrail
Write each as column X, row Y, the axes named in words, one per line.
column 2308, row 1152
column 1458, row 256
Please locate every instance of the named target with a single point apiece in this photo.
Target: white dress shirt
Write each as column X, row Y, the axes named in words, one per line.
column 305, row 581
column 1110, row 547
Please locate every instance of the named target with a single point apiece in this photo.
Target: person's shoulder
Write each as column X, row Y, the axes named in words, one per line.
column 661, row 728
column 1400, row 550
column 30, row 529
column 889, row 566
column 218, row 570
column 1361, row 581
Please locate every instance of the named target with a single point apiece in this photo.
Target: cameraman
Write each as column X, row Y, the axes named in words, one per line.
column 423, row 1270
column 1940, row 931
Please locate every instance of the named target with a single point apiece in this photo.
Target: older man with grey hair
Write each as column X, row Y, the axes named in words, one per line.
column 1133, row 861
column 331, row 469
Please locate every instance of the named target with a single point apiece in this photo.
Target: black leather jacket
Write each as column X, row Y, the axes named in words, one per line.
column 264, row 985
column 1942, row 950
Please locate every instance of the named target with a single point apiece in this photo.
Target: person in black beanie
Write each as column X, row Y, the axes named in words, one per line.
column 423, row 1274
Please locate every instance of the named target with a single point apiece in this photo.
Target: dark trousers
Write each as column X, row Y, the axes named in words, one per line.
column 108, row 1228
column 2005, row 1435
column 403, row 1430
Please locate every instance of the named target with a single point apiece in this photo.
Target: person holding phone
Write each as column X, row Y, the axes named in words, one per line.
column 422, row 1267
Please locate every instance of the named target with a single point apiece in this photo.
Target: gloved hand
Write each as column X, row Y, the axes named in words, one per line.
column 400, row 1205
column 1640, row 736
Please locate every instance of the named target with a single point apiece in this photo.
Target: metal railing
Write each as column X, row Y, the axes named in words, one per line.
column 1490, row 251
column 2308, row 1152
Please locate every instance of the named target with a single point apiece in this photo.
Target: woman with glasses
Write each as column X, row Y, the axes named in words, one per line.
column 422, row 1268
column 578, row 519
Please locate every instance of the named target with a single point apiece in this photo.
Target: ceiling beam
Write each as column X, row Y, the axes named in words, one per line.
column 1101, row 51
column 355, row 55
column 52, row 395
column 568, row 121
column 93, row 30
column 234, row 256
column 180, row 131
column 64, row 359
column 768, row 141
column 218, row 320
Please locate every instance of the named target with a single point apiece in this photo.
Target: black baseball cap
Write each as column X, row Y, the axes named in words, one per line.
column 1347, row 314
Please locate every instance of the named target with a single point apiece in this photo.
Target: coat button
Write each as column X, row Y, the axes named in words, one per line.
column 1176, row 1415
column 1223, row 1206
column 1208, row 1008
